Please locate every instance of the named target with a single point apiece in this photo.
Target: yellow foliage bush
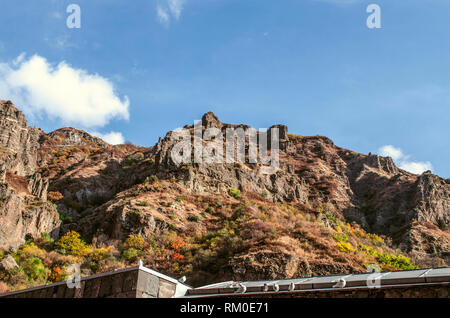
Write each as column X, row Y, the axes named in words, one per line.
column 367, row 250
column 345, row 247
column 72, row 244
column 30, row 250
column 135, row 241
column 376, row 240
column 387, row 260
column 99, row 254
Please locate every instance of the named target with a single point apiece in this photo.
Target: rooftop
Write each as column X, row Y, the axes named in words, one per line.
column 142, row 282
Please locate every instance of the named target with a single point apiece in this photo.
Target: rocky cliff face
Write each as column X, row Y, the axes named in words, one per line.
column 325, row 181
column 18, row 142
column 23, row 192
column 313, row 216
column 21, row 216
column 432, row 199
column 368, row 189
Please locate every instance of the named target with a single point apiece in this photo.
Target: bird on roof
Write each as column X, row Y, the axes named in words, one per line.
column 340, row 283
column 141, row 263
column 266, row 287
column 276, row 287
column 242, row 289
column 291, row 287
column 182, row 279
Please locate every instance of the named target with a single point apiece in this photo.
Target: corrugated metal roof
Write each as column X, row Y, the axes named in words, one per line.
column 363, row 280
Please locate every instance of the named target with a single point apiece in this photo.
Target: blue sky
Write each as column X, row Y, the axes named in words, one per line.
column 311, row 64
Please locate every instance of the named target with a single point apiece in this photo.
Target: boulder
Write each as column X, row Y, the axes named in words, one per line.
column 8, row 263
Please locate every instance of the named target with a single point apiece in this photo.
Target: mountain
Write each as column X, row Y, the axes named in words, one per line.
column 326, row 209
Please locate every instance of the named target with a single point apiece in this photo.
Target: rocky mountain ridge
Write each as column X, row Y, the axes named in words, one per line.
column 313, row 216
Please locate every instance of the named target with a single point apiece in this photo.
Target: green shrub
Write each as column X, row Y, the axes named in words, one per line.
column 193, row 218
column 47, row 238
column 235, row 193
column 388, row 260
column 153, row 242
column 144, row 203
column 397, row 261
column 130, row 254
column 64, row 218
column 35, row 269
column 134, row 212
column 29, row 239
column 330, row 217
column 151, row 179
column 135, row 158
column 86, row 212
column 209, row 210
column 133, row 247
column 340, row 237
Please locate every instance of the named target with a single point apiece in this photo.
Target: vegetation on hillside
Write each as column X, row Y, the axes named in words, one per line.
column 231, row 227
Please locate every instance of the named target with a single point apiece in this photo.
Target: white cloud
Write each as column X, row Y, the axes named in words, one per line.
column 61, row 42
column 416, row 167
column 169, row 8
column 19, row 59
column 113, row 137
column 403, row 161
column 176, row 6
column 62, row 92
column 163, row 16
column 391, row 151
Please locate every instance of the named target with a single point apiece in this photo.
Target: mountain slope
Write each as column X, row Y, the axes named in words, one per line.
column 326, row 210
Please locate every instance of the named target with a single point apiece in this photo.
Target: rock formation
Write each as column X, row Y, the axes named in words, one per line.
column 23, row 209
column 8, row 263
column 18, row 142
column 22, row 215
column 284, row 225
